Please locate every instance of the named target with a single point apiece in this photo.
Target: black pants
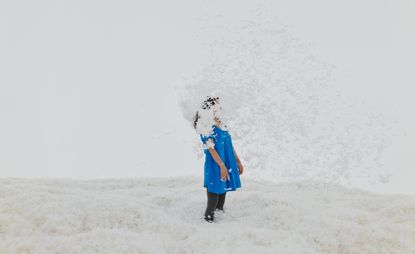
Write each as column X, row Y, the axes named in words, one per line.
column 214, row 201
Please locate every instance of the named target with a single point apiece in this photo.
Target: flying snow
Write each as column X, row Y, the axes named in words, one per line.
column 280, row 102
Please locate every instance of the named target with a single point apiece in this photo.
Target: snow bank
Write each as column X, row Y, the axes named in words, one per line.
column 165, row 215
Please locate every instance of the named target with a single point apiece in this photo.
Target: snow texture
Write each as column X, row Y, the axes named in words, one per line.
column 210, row 144
column 282, row 105
column 166, row 215
column 205, row 121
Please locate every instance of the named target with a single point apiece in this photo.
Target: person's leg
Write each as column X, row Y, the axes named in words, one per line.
column 221, row 201
column 212, row 201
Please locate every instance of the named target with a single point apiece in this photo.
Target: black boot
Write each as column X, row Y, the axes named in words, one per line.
column 210, row 217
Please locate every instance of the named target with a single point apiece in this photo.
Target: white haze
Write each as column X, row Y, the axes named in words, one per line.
column 91, row 89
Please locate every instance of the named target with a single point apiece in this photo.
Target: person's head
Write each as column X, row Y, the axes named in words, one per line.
column 211, row 103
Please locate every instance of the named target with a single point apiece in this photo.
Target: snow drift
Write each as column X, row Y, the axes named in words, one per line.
column 165, row 215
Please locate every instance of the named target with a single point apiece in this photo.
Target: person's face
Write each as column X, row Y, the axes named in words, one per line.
column 216, row 108
column 216, row 111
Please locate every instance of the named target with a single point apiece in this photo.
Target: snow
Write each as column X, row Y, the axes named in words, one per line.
column 90, row 112
column 165, row 215
column 285, row 106
column 210, row 144
column 205, row 121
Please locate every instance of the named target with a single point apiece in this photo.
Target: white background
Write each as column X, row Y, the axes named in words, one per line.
column 87, row 87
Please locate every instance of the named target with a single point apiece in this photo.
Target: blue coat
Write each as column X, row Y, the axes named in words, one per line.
column 223, row 146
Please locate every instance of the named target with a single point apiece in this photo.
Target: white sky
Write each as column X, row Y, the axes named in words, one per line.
column 87, row 87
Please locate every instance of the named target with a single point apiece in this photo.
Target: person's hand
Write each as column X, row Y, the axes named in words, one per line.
column 224, row 176
column 240, row 168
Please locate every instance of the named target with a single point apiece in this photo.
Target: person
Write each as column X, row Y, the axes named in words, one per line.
column 222, row 165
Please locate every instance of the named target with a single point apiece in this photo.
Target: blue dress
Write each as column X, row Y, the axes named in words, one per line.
column 223, row 146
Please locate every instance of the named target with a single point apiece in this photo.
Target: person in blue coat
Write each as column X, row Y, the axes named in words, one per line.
column 222, row 165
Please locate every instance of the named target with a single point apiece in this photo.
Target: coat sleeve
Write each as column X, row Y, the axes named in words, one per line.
column 208, row 141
